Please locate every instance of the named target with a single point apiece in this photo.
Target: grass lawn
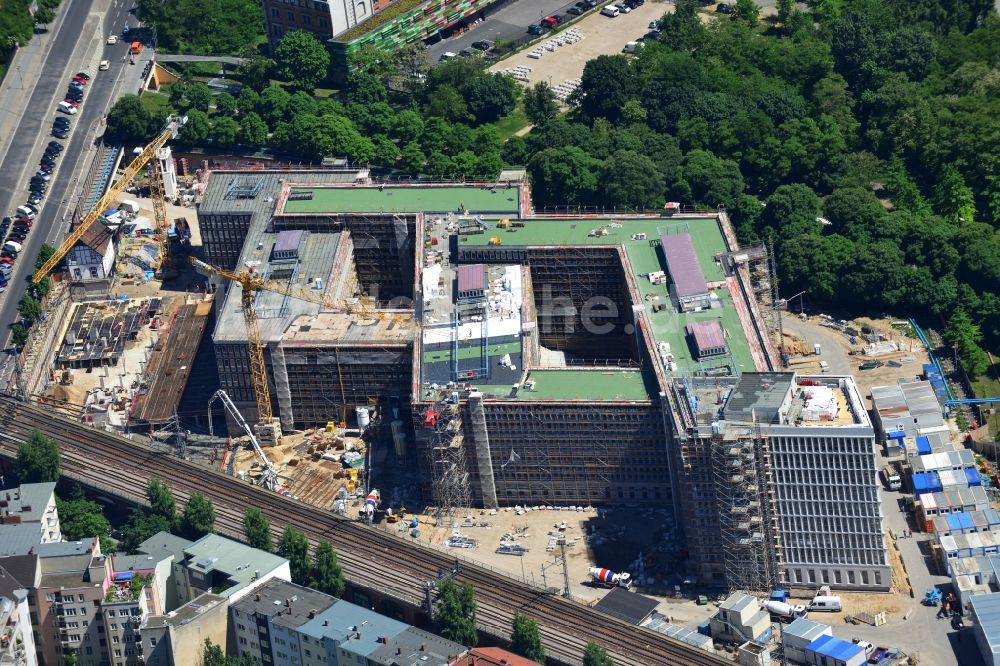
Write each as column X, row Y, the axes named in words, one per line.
column 988, row 386
column 511, row 123
column 155, row 102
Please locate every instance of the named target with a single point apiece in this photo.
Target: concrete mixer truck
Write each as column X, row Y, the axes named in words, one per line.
column 608, row 578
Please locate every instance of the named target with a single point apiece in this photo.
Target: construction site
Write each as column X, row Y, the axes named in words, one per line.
column 442, row 347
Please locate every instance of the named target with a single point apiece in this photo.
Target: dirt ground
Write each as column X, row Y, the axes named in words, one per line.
column 601, row 35
column 635, row 540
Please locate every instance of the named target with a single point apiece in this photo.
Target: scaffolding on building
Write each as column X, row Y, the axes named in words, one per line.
column 443, row 423
column 742, row 473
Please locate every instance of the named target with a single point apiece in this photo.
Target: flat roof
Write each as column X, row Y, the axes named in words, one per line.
column 287, row 604
column 707, row 334
column 241, row 563
column 706, row 236
column 399, row 198
column 683, row 264
column 327, row 329
column 630, row 607
column 471, row 277
column 583, row 384
column 276, row 311
column 758, row 395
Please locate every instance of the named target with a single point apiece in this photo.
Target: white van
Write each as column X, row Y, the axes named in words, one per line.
column 27, row 212
column 632, row 47
column 611, row 11
column 447, row 55
column 823, row 603
column 67, row 108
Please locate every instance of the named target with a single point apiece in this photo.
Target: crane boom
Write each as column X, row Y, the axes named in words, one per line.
column 131, row 171
column 159, row 209
column 269, row 477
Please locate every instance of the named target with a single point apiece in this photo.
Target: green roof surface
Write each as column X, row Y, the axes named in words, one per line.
column 705, row 234
column 406, row 199
column 467, row 351
column 577, row 384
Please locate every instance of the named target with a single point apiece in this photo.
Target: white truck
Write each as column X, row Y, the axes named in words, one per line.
column 609, row 578
column 785, row 612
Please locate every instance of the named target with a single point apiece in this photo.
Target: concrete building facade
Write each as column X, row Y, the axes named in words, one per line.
column 32, row 504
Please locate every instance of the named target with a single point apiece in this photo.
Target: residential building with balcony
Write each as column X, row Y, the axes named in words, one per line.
column 17, row 643
column 32, row 503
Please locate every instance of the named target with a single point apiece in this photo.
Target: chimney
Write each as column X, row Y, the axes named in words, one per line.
column 399, row 651
column 358, row 636
column 256, row 597
column 326, row 623
column 423, row 648
column 288, row 603
column 312, row 613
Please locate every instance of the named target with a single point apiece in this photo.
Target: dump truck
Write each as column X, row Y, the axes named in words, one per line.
column 891, row 478
column 609, row 578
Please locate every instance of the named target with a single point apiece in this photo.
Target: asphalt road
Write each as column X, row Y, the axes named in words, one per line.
column 72, row 42
column 510, row 22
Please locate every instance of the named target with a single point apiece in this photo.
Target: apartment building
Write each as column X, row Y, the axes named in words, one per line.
column 289, row 625
column 17, row 642
column 34, row 504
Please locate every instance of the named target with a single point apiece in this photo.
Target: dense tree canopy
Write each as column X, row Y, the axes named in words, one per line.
column 302, row 59
column 80, row 518
column 37, row 459
column 328, row 575
column 198, row 518
column 221, row 27
column 294, row 546
column 525, row 640
column 455, row 614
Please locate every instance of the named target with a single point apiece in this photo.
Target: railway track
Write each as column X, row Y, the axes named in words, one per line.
column 371, row 558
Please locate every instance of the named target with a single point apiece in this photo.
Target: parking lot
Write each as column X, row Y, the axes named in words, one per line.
column 508, row 23
column 601, row 35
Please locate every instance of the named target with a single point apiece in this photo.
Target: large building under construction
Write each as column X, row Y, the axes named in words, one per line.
column 564, row 360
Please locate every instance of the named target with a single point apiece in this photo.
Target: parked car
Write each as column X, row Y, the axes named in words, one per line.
column 83, row 75
column 723, row 8
column 56, row 146
column 535, row 29
column 623, row 8
column 61, row 121
column 575, row 11
column 549, row 22
column 66, row 108
column 482, row 45
column 59, row 133
column 610, row 11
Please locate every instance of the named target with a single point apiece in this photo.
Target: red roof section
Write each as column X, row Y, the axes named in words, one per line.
column 682, row 262
column 492, row 656
column 707, row 334
column 472, row 277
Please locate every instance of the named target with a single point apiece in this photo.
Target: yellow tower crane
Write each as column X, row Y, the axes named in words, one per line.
column 147, row 156
column 250, row 283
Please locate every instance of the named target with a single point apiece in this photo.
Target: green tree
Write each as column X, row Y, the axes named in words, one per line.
column 29, row 308
column 254, row 72
column 19, row 335
column 81, row 519
column 248, row 101
column 953, row 198
column 128, row 122
column 746, row 11
column 224, row 132
column 198, row 96
column 365, row 89
column 631, row 181
column 198, row 518
column 37, row 459
column 965, row 336
column 447, row 103
column 411, row 158
column 712, row 180
column 45, row 253
column 161, row 500
column 608, row 82
column 294, row 546
column 274, row 101
column 386, row 151
column 406, row 126
column 44, row 16
column 595, row 655
column 684, row 26
column 224, row 27
column 225, row 105
column 328, row 575
column 257, row 529
column 785, row 9
column 253, row 130
column 564, row 176
column 213, row 655
column 176, row 93
column 540, row 103
column 524, row 638
column 302, row 59
column 142, row 525
column 197, row 128
column 455, row 615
